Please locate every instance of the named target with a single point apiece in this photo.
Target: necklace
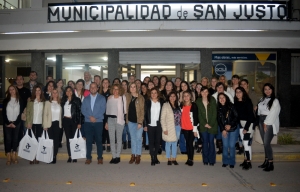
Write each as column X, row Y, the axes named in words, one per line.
column 133, row 98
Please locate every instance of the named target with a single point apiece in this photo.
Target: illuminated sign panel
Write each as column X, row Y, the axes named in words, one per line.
column 164, row 11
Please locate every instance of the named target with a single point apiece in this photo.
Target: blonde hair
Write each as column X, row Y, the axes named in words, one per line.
column 208, row 82
column 133, row 83
column 58, row 97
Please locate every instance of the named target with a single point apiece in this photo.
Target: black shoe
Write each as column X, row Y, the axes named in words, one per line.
column 237, row 146
column 152, row 160
column 187, row 162
column 224, row 165
column 103, row 147
column 243, row 164
column 269, row 167
column 129, row 144
column 124, row 145
column 264, row 165
column 190, row 163
column 205, row 163
column 247, row 166
column 69, row 160
column 175, row 162
column 112, row 161
column 159, row 151
column 108, row 149
column 146, row 147
column 60, row 145
column 196, row 146
column 74, row 160
column 231, row 166
column 241, row 151
column 211, row 164
column 199, row 150
column 183, row 153
column 117, row 160
column 156, row 160
column 54, row 160
column 169, row 162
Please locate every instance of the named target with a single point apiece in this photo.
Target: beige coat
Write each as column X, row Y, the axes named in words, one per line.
column 47, row 115
column 168, row 123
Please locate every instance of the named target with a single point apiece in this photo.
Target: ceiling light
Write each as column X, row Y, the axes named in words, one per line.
column 73, row 67
column 212, row 30
column 96, row 68
column 7, row 60
column 51, row 58
column 105, row 58
column 128, row 30
column 34, row 32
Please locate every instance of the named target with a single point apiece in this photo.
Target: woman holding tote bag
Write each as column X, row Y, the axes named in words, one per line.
column 52, row 120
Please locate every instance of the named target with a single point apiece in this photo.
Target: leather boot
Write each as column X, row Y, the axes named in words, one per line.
column 269, row 167
column 247, row 166
column 152, row 160
column 137, row 159
column 8, row 158
column 156, row 160
column 129, row 144
column 264, row 165
column 220, row 144
column 132, row 159
column 124, row 145
column 14, row 158
column 243, row 164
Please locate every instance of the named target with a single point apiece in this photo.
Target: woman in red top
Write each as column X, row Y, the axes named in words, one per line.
column 189, row 123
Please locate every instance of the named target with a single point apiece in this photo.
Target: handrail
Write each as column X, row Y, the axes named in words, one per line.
column 4, row 6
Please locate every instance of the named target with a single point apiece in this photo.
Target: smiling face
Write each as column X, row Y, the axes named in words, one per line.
column 222, row 79
column 60, row 84
column 154, row 95
column 12, row 91
column 172, row 98
column 214, row 82
column 54, row 95
column 220, row 89
column 150, row 85
column 69, row 93
column 124, row 86
column 267, row 91
column 132, row 89
column 50, row 87
column 105, row 84
column 204, row 93
column 222, row 99
column 169, row 86
column 204, row 82
column 115, row 91
column 184, row 86
column 235, row 81
column 244, row 85
column 239, row 94
column 186, row 97
column 79, row 86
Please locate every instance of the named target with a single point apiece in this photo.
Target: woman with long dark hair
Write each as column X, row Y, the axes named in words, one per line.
column 162, row 82
column 184, row 86
column 60, row 87
column 34, row 113
column 208, row 125
column 80, row 91
column 48, row 89
column 155, row 80
column 268, row 111
column 169, row 87
column 72, row 117
column 12, row 109
column 244, row 107
column 227, row 121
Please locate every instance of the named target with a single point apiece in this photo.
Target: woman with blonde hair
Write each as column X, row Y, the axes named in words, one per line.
column 205, row 82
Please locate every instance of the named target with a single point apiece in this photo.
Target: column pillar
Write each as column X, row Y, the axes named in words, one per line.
column 2, row 77
column 206, row 63
column 113, row 65
column 138, row 71
column 38, row 65
column 59, row 62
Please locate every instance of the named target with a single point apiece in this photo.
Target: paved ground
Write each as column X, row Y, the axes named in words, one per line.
column 106, row 177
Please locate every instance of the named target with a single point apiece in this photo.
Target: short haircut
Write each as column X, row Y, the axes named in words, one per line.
column 220, row 84
column 20, row 76
column 235, row 76
column 34, row 72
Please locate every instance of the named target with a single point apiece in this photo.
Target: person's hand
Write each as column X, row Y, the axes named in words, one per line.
column 224, row 134
column 106, row 126
column 145, row 129
column 12, row 125
column 92, row 119
column 29, row 126
column 139, row 126
column 245, row 131
column 265, row 127
column 227, row 127
column 45, row 129
column 195, row 134
column 207, row 126
column 78, row 126
column 166, row 132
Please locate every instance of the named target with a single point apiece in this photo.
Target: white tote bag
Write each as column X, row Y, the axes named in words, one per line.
column 45, row 149
column 28, row 146
column 78, row 146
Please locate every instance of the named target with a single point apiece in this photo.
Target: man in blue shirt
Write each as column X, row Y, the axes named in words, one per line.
column 93, row 108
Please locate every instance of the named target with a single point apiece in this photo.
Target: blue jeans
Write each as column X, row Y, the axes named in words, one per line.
column 171, row 146
column 93, row 131
column 219, row 135
column 126, row 132
column 136, row 138
column 178, row 130
column 229, row 145
column 82, row 130
column 208, row 148
column 182, row 144
column 147, row 138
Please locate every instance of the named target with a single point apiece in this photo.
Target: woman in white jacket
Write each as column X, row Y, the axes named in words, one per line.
column 268, row 111
column 170, row 123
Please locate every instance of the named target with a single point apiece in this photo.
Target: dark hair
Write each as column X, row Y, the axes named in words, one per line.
column 8, row 95
column 116, row 79
column 101, row 87
column 187, row 84
column 20, row 76
column 245, row 80
column 34, row 72
column 193, row 82
column 127, row 83
column 97, row 76
column 196, row 88
column 71, row 82
column 228, row 103
column 65, row 97
column 176, row 101
column 155, row 76
column 33, row 94
column 147, row 92
column 205, row 88
column 270, row 103
column 147, row 77
column 159, row 82
column 235, row 76
column 219, row 84
column 245, row 94
column 150, row 82
column 191, row 95
column 157, row 91
column 53, row 83
column 49, row 76
column 173, row 85
column 83, row 89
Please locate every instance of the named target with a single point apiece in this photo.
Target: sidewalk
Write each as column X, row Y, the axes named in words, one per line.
column 281, row 152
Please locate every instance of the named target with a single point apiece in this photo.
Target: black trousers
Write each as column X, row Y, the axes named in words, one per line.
column 54, row 133
column 154, row 135
column 189, row 139
column 11, row 138
column 105, row 135
column 37, row 131
column 70, row 129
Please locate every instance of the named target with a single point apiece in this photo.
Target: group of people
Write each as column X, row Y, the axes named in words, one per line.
column 156, row 113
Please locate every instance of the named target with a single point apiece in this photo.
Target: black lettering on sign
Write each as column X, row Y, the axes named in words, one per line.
column 222, row 11
column 210, row 9
column 185, row 14
column 63, row 14
column 164, row 11
column 91, row 12
column 198, row 9
column 102, row 12
column 56, row 12
column 85, row 12
column 271, row 10
column 279, row 8
column 179, row 13
column 236, row 15
column 109, row 9
column 262, row 11
column 142, row 11
column 156, row 11
column 136, row 12
column 77, row 12
column 127, row 13
column 246, row 12
column 119, row 11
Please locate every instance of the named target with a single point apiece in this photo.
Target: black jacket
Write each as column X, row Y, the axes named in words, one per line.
column 227, row 116
column 147, row 119
column 4, row 114
column 77, row 117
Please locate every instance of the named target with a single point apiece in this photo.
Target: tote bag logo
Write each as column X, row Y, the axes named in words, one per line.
column 27, row 148
column 77, row 148
column 44, row 150
column 220, row 69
